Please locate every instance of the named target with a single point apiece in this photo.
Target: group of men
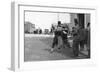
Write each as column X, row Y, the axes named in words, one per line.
column 60, row 39
column 81, row 37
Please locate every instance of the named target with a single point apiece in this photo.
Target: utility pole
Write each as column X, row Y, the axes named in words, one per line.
column 57, row 16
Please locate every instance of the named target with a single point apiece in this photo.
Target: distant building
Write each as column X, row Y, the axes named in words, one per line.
column 46, row 31
column 29, row 27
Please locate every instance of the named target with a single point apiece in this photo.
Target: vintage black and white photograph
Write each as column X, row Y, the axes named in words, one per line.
column 52, row 35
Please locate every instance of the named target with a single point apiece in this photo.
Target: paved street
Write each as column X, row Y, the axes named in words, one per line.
column 38, row 49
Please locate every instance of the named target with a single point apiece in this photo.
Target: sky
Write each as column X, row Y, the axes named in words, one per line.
column 44, row 20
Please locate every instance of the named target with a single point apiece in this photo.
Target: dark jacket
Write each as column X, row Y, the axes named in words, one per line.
column 81, row 35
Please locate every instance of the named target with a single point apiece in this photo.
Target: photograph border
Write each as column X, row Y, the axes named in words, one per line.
column 16, row 57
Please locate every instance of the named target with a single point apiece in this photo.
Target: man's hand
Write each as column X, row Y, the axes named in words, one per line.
column 64, row 32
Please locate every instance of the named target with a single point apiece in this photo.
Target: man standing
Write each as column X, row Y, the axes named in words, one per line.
column 57, row 38
column 88, row 39
column 64, row 37
column 76, row 41
column 79, row 39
